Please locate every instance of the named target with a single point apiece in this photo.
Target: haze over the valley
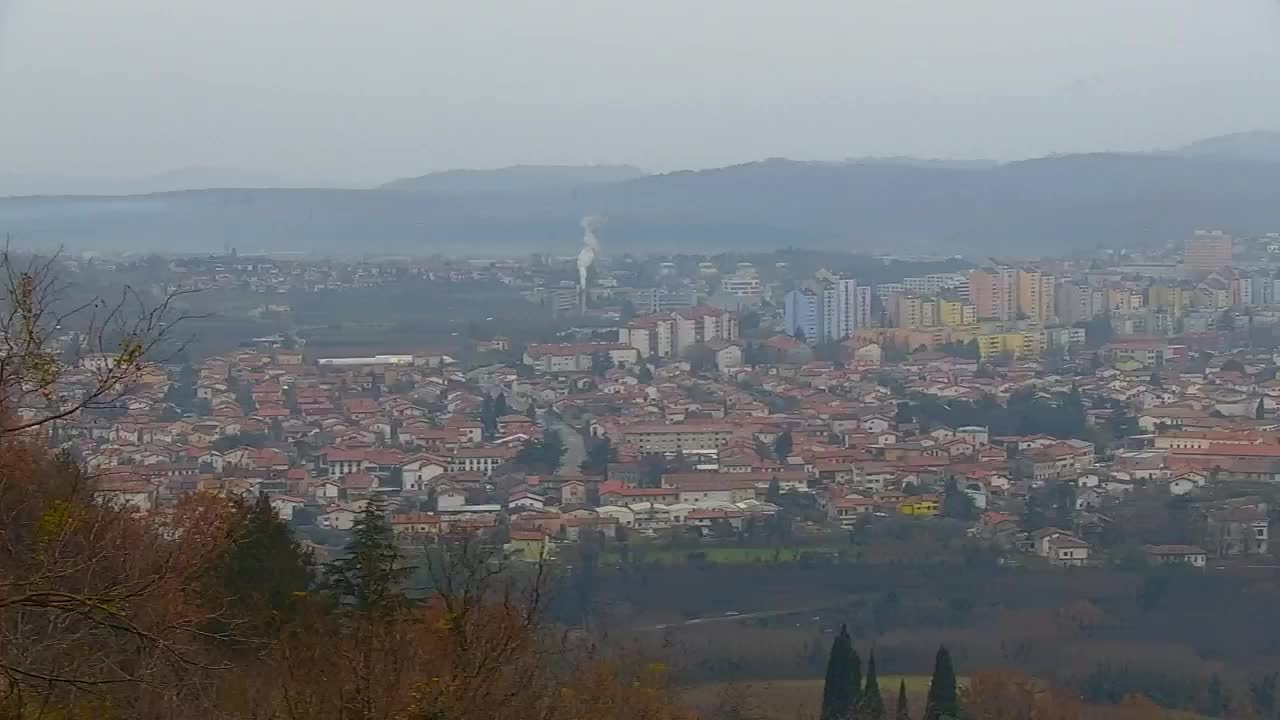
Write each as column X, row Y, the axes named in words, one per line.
column 132, row 95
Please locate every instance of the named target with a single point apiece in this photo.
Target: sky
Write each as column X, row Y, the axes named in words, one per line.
column 361, row 91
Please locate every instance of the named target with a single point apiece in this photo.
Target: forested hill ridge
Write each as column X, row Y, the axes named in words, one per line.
column 517, row 178
column 1059, row 203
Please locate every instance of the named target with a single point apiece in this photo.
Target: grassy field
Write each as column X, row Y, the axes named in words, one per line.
column 787, row 699
column 728, row 555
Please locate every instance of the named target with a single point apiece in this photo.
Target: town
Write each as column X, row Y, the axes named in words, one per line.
column 734, row 409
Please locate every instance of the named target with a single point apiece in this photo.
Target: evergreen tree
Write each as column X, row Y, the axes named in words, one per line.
column 1261, row 412
column 782, row 446
column 956, row 503
column 263, row 571
column 368, row 579
column 599, row 454
column 644, row 374
column 902, row 712
column 488, row 420
column 1217, row 702
column 775, row 492
column 839, row 689
column 872, row 706
column 500, row 407
column 942, row 688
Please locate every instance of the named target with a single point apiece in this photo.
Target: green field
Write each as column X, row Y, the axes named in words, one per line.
column 800, row 698
column 728, row 555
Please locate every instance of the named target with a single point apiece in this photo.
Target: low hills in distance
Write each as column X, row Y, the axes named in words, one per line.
column 517, row 179
column 868, row 205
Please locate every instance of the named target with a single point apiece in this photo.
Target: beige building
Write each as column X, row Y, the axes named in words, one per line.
column 1206, row 251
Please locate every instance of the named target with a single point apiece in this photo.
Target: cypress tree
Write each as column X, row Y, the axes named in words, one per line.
column 855, row 679
column 838, row 691
column 872, row 701
column 782, row 446
column 263, row 570
column 902, row 713
column 368, row 578
column 942, row 688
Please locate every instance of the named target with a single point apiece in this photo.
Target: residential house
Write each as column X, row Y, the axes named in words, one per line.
column 1177, row 555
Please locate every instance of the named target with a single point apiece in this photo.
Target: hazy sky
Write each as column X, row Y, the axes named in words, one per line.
column 365, row 90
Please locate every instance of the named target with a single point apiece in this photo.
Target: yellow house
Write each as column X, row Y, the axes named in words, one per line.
column 530, row 545
column 919, row 507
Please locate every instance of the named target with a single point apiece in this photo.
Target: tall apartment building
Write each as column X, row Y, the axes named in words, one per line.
column 1036, row 295
column 1029, row 294
column 993, row 292
column 907, row 311
column 863, row 307
column 832, row 311
column 1206, row 251
column 1074, row 302
column 802, row 314
column 954, row 313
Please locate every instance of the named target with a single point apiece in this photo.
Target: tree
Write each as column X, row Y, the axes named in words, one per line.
column 956, row 503
column 872, row 705
column 1261, row 411
column 488, row 418
column 123, row 337
column 942, row 700
column 500, row 407
column 782, row 446
column 1262, row 693
column 92, row 593
column 244, row 396
column 902, row 712
column 367, row 580
column 543, row 455
column 600, row 363
column 840, row 690
column 774, row 494
column 644, row 374
column 1217, row 702
column 599, row 454
column 263, row 571
column 903, row 415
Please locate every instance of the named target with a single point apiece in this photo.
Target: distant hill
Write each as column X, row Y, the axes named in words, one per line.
column 192, row 178
column 1255, row 146
column 517, row 179
column 1051, row 204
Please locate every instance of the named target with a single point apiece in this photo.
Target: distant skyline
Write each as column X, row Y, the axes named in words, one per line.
column 356, row 94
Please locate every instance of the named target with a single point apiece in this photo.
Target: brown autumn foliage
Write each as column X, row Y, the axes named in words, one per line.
column 94, row 596
column 1001, row 695
column 105, row 613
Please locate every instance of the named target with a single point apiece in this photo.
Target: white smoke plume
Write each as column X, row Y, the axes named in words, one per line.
column 590, row 247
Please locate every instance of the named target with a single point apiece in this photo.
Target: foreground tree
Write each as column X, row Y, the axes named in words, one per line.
column 902, row 712
column 841, row 689
column 942, row 700
column 121, row 337
column 94, row 596
column 263, row 572
column 368, row 579
column 871, row 706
